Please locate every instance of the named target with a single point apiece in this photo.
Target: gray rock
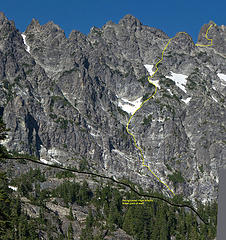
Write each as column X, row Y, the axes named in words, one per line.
column 62, row 100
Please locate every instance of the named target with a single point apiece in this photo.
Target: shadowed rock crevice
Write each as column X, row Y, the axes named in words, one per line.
column 34, row 140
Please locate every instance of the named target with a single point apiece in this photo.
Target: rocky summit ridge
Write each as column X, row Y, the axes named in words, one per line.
column 67, row 100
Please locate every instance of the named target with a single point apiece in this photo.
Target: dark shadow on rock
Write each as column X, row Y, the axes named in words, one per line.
column 1, row 111
column 32, row 125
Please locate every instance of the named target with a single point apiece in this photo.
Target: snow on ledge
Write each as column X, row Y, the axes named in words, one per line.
column 149, row 69
column 222, row 76
column 13, row 188
column 187, row 100
column 214, row 99
column 129, row 106
column 27, row 47
column 170, row 92
column 179, row 79
column 51, row 162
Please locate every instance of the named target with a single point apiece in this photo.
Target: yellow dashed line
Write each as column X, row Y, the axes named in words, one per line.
column 156, row 66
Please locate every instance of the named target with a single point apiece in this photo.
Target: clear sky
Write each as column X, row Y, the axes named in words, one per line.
column 170, row 16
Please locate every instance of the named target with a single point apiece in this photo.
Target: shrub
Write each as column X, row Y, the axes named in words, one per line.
column 176, row 177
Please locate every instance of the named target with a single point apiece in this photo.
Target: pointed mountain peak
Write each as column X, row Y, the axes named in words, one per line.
column 130, row 21
column 52, row 25
column 3, row 18
column 216, row 34
column 34, row 25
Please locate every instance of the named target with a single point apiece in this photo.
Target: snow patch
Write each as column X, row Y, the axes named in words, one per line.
column 52, row 161
column 156, row 83
column 129, row 106
column 222, row 76
column 118, row 152
column 93, row 132
column 27, row 47
column 170, row 92
column 187, row 100
column 214, row 99
column 179, row 79
column 149, row 69
column 13, row 188
column 45, row 161
column 51, row 154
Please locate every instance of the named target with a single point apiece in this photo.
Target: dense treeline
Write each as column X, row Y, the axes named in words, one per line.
column 154, row 220
column 14, row 224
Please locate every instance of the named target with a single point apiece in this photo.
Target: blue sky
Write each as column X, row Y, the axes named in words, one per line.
column 170, row 16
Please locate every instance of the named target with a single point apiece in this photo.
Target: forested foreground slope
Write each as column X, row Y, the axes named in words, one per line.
column 67, row 101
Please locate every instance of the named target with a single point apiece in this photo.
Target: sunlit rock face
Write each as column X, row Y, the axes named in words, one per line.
column 67, row 99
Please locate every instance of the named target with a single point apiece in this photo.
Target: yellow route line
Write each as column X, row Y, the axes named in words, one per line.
column 211, row 40
column 156, row 66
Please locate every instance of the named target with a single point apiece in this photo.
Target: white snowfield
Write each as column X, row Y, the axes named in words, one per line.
column 149, row 69
column 179, row 79
column 187, row 100
column 27, row 47
column 170, row 92
column 51, row 162
column 130, row 106
column 222, row 77
column 214, row 99
column 45, row 161
column 13, row 188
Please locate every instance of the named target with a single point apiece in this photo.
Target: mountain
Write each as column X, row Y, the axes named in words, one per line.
column 68, row 101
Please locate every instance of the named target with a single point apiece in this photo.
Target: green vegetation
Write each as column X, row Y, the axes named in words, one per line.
column 63, row 122
column 73, row 192
column 14, row 224
column 168, row 167
column 97, row 31
column 75, row 103
column 143, row 80
column 201, row 168
column 106, row 213
column 83, row 129
column 26, row 65
column 167, row 82
column 25, row 181
column 17, row 79
column 176, row 177
column 122, row 112
column 69, row 71
column 53, row 116
column 29, row 71
column 191, row 84
column 3, row 135
column 154, row 220
column 167, row 95
column 147, row 120
column 64, row 174
column 62, row 100
column 9, row 87
column 83, row 165
column 146, row 96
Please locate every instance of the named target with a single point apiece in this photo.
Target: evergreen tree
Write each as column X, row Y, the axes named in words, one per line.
column 3, row 135
column 71, row 217
column 70, row 232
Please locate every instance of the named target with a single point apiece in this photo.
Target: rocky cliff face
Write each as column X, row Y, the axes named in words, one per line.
column 67, row 99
